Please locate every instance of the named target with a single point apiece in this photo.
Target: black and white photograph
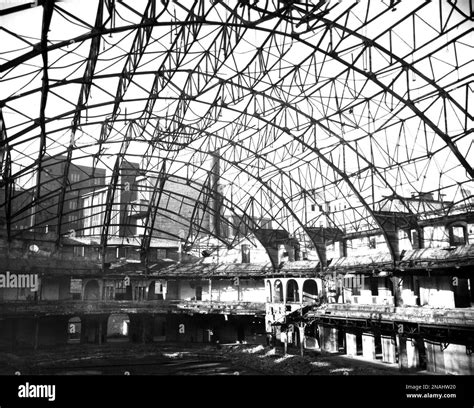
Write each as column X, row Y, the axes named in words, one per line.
column 237, row 199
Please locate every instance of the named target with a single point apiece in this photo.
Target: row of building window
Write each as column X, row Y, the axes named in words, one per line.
column 76, row 177
column 122, row 252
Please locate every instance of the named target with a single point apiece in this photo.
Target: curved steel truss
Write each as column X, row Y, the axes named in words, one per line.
column 233, row 115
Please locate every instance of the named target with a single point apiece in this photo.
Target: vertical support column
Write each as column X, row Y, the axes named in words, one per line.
column 328, row 338
column 342, row 247
column 368, row 346
column 217, row 197
column 302, row 338
column 417, row 237
column 104, row 320
column 143, row 323
column 36, row 339
column 101, row 289
column 412, row 354
column 351, row 344
column 99, row 331
column 300, row 289
column 39, row 290
column 210, row 291
column 268, row 290
column 388, row 349
column 83, row 338
column 408, row 358
column 133, row 329
column 397, row 290
column 283, row 284
column 14, row 327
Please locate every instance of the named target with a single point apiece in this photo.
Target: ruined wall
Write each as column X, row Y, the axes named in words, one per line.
column 434, row 237
column 371, row 245
column 436, row 291
column 223, row 290
column 257, row 254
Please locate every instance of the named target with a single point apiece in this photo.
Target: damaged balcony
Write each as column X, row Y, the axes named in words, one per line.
column 391, row 314
column 18, row 308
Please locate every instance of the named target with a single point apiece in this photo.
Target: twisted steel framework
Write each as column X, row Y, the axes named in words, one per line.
column 323, row 103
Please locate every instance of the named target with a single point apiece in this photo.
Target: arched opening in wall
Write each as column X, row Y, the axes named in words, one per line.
column 269, row 291
column 278, row 293
column 118, row 327
column 91, row 290
column 292, row 293
column 155, row 291
column 74, row 330
column 310, row 291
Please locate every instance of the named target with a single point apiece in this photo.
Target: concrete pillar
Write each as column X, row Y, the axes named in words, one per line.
column 368, row 346
column 302, row 339
column 104, row 320
column 351, row 344
column 412, row 354
column 83, row 337
column 397, row 290
column 269, row 290
column 389, row 351
column 144, row 323
column 417, row 238
column 210, row 290
column 283, row 288
column 101, row 289
column 342, row 247
column 328, row 338
column 408, row 357
column 300, row 289
column 36, row 339
column 99, row 332
column 284, row 339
